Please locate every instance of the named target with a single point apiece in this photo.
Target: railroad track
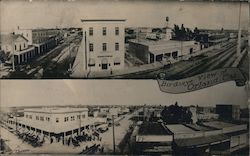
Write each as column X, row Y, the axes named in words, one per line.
column 204, row 63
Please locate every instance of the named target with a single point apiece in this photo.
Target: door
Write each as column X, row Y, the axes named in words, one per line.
column 151, row 58
column 104, row 66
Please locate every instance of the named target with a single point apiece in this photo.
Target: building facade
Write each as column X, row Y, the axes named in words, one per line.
column 17, row 45
column 213, row 137
column 150, row 51
column 42, row 39
column 103, row 42
column 228, row 112
column 57, row 122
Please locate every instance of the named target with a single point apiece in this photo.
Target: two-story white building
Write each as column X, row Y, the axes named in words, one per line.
column 103, row 42
column 17, row 45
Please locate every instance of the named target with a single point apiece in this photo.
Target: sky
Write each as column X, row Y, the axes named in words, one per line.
column 125, row 92
column 152, row 13
column 112, row 92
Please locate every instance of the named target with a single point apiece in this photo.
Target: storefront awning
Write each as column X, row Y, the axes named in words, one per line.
column 117, row 60
column 91, row 61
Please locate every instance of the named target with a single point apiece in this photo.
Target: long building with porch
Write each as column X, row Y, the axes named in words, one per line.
column 42, row 39
column 52, row 122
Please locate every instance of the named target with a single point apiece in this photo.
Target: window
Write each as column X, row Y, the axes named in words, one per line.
column 37, row 117
column 104, row 46
column 91, row 47
column 91, row 62
column 117, row 61
column 78, row 116
column 48, row 119
column 116, row 46
column 57, row 119
column 27, row 116
column 0, row 48
column 116, row 30
column 24, row 45
column 83, row 116
column 41, row 118
column 91, row 31
column 15, row 47
column 30, row 116
column 104, row 31
column 66, row 119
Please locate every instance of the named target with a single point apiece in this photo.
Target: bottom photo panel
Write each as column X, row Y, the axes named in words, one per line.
column 121, row 117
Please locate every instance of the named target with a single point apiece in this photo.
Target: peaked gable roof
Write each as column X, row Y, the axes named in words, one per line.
column 10, row 38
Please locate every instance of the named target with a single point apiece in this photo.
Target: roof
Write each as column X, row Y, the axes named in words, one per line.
column 9, row 38
column 179, row 129
column 201, row 141
column 148, row 128
column 218, row 124
column 237, row 133
column 199, row 127
column 56, row 110
column 103, row 20
column 161, row 42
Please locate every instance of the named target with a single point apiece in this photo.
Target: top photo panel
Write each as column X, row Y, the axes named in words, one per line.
column 122, row 39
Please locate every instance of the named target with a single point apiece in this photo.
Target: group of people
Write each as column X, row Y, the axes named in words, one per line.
column 31, row 138
column 94, row 149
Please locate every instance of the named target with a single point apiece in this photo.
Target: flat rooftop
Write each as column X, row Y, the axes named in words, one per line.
column 199, row 127
column 218, row 124
column 149, row 128
column 103, row 20
column 56, row 110
column 179, row 129
column 161, row 42
column 201, row 141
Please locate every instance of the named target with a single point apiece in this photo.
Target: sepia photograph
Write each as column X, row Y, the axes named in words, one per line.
column 121, row 39
column 124, row 77
column 122, row 118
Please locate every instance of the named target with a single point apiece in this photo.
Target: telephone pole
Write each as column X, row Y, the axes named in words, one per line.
column 239, row 34
column 113, row 121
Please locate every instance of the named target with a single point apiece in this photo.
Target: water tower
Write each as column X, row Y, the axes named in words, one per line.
column 168, row 34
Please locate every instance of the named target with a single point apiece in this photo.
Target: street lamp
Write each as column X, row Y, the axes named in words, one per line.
column 70, row 67
column 79, row 132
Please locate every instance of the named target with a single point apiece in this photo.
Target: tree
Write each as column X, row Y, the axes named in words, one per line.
column 182, row 33
column 196, row 31
column 189, row 34
column 3, row 56
column 175, row 114
column 177, row 32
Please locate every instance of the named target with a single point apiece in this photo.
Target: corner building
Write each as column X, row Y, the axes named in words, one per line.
column 103, row 44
